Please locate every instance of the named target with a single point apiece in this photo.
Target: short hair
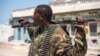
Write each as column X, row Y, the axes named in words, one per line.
column 46, row 11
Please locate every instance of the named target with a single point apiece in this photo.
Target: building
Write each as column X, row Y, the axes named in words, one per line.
column 67, row 10
column 6, row 33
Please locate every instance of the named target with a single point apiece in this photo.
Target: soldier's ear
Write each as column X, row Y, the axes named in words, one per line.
column 41, row 18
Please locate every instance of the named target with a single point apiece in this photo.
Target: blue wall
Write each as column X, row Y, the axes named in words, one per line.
column 21, row 33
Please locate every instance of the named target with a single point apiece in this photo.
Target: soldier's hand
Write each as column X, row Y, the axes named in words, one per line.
column 81, row 26
column 80, row 23
column 23, row 21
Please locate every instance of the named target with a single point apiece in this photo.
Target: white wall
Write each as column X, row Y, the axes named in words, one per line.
column 5, row 32
column 75, row 7
column 59, row 8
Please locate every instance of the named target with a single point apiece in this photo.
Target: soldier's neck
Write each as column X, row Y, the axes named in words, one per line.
column 45, row 25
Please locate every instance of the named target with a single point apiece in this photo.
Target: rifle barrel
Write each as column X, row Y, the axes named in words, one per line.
column 26, row 25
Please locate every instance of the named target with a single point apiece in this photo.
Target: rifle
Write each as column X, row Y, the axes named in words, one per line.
column 26, row 24
column 58, row 22
column 19, row 25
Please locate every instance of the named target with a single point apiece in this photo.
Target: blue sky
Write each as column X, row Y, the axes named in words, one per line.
column 6, row 7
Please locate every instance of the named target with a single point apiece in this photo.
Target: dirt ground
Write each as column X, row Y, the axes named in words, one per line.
column 16, row 49
column 13, row 50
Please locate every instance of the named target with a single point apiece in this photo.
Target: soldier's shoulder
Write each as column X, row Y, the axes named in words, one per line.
column 59, row 29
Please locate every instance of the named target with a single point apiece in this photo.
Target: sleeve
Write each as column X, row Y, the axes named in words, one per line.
column 78, row 49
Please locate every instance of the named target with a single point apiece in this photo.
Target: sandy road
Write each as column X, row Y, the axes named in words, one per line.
column 17, row 50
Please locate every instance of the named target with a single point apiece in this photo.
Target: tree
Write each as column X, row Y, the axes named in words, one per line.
column 11, row 21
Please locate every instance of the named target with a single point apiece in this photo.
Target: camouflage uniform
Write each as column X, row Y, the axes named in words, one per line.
column 60, row 43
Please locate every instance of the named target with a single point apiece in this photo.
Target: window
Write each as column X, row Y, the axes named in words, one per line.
column 93, row 29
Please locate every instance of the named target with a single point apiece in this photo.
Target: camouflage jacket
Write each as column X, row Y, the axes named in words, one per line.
column 61, row 44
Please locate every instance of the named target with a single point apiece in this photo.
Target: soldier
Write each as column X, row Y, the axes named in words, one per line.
column 51, row 39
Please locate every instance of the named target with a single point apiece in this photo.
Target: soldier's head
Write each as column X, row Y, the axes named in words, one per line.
column 42, row 15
